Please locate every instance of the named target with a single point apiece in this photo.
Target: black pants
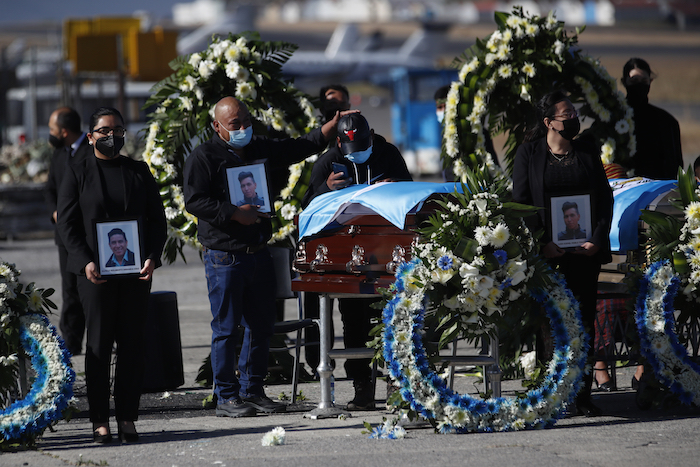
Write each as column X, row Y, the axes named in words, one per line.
column 581, row 273
column 72, row 321
column 356, row 314
column 115, row 312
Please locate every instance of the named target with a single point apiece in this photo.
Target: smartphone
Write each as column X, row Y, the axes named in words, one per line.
column 338, row 167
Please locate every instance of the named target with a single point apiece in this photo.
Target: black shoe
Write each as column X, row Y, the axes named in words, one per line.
column 235, row 408
column 264, row 404
column 128, row 437
column 635, row 383
column 101, row 439
column 605, row 387
column 588, row 409
column 364, row 396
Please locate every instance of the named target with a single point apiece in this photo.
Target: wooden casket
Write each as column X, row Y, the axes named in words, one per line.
column 358, row 257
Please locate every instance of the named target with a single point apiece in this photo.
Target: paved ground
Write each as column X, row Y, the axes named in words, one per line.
column 177, row 431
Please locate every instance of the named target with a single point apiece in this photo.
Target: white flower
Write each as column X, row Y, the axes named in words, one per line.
column 288, row 212
column 558, row 47
column 232, row 70
column 529, row 69
column 505, row 70
column 482, row 235
column 525, row 94
column 622, row 127
column 245, row 91
column 188, row 84
column 499, row 235
column 275, row 437
column 205, row 68
column 232, row 54
column 528, row 360
column 194, row 60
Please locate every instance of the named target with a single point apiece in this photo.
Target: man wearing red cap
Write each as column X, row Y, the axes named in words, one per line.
column 366, row 158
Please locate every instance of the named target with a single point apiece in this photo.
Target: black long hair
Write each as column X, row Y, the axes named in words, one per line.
column 544, row 109
column 633, row 63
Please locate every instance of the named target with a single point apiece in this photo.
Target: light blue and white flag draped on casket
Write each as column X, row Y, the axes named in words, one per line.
column 631, row 196
column 393, row 201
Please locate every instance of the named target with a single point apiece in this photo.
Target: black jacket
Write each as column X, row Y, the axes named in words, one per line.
column 59, row 163
column 385, row 162
column 658, row 136
column 528, row 188
column 81, row 200
column 206, row 189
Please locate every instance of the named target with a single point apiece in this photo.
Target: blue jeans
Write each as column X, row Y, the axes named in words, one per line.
column 241, row 292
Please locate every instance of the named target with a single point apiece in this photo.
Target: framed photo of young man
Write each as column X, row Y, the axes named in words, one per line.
column 118, row 248
column 571, row 223
column 247, row 184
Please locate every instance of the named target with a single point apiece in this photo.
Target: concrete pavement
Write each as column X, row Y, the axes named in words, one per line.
column 192, row 436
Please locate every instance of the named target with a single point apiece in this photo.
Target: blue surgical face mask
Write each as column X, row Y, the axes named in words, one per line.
column 359, row 157
column 239, row 138
column 440, row 115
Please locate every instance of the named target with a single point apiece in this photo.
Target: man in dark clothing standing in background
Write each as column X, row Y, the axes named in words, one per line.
column 71, row 147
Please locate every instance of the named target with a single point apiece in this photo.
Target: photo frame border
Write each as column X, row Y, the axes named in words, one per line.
column 259, row 165
column 552, row 227
column 135, row 246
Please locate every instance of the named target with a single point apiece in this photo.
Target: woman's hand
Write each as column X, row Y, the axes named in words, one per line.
column 551, row 250
column 147, row 271
column 92, row 273
column 588, row 249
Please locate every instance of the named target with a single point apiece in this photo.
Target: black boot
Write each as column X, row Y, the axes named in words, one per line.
column 364, row 396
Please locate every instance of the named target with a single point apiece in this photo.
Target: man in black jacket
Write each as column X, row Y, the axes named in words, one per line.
column 71, row 147
column 237, row 262
column 366, row 158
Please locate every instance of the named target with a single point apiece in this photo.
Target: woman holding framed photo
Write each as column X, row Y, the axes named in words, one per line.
column 554, row 171
column 110, row 216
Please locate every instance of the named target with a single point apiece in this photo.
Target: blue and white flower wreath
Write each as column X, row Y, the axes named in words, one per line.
column 659, row 341
column 52, row 390
column 428, row 394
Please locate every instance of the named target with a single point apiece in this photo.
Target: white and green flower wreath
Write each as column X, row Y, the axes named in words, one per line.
column 23, row 325
column 526, row 57
column 249, row 69
column 477, row 262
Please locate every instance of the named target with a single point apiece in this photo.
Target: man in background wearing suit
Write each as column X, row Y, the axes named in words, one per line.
column 71, row 147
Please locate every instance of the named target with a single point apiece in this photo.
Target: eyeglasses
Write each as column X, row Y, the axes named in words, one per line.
column 568, row 114
column 105, row 131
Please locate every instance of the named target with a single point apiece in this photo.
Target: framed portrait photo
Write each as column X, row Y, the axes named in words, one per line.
column 248, row 184
column 118, row 248
column 571, row 219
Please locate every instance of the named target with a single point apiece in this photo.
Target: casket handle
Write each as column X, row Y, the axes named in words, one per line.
column 321, row 258
column 398, row 257
column 299, row 257
column 358, row 259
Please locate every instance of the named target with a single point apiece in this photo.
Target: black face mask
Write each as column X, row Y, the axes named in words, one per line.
column 56, row 142
column 571, row 128
column 638, row 93
column 110, row 145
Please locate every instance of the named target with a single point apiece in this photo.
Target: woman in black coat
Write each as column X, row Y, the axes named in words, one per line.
column 553, row 163
column 109, row 187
